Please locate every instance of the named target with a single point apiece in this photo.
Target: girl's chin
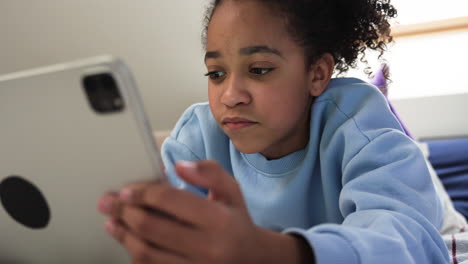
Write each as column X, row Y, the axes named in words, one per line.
column 247, row 147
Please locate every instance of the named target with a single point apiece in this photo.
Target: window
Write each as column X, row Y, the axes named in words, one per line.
column 430, row 53
column 420, row 11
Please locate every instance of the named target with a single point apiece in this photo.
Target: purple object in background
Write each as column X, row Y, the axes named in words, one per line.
column 380, row 81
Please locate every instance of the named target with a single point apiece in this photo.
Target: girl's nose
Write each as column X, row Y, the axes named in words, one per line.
column 235, row 92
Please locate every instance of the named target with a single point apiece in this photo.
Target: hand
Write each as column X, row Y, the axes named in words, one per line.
column 189, row 228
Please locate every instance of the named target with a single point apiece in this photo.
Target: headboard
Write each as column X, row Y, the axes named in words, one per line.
column 435, row 117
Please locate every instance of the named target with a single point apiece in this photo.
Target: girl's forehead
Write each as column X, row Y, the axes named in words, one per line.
column 245, row 13
column 244, row 23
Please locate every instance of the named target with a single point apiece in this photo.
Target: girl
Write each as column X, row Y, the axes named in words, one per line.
column 292, row 165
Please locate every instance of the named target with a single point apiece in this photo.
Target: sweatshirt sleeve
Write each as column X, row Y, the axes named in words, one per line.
column 180, row 146
column 172, row 152
column 390, row 208
column 196, row 136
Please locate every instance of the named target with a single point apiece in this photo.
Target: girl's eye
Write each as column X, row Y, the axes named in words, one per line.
column 214, row 75
column 260, row 71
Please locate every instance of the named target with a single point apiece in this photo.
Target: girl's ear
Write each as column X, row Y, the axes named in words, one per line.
column 320, row 74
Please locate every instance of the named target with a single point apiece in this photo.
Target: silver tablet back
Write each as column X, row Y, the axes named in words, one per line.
column 68, row 133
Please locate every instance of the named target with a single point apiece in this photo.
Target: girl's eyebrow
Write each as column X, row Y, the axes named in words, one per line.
column 212, row 55
column 247, row 51
column 259, row 49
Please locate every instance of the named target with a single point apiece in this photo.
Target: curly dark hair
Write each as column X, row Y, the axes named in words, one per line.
column 343, row 28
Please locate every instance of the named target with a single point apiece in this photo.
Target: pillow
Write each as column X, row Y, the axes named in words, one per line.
column 449, row 157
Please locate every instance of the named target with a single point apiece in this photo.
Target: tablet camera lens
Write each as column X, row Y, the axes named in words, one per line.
column 102, row 93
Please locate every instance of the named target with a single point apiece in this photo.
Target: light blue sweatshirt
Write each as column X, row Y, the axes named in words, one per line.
column 360, row 192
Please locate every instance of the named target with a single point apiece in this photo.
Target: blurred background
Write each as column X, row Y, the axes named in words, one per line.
column 160, row 41
column 430, row 54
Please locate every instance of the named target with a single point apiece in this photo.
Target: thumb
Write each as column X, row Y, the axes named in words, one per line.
column 210, row 175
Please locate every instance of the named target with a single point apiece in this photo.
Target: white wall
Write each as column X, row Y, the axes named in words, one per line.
column 434, row 117
column 159, row 39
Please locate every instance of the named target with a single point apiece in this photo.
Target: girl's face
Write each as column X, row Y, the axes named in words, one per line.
column 259, row 87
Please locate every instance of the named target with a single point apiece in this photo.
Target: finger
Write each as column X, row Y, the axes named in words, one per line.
column 109, row 204
column 184, row 206
column 209, row 174
column 139, row 250
column 161, row 231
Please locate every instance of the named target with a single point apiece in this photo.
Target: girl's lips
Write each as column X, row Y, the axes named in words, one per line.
column 236, row 123
column 239, row 125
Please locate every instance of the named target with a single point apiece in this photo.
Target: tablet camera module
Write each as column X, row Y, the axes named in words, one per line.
column 102, row 93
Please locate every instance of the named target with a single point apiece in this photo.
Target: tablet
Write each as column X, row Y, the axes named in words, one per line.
column 69, row 133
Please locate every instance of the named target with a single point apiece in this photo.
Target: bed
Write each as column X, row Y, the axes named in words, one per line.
column 439, row 124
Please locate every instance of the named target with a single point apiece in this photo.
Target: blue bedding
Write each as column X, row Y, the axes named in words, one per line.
column 449, row 157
